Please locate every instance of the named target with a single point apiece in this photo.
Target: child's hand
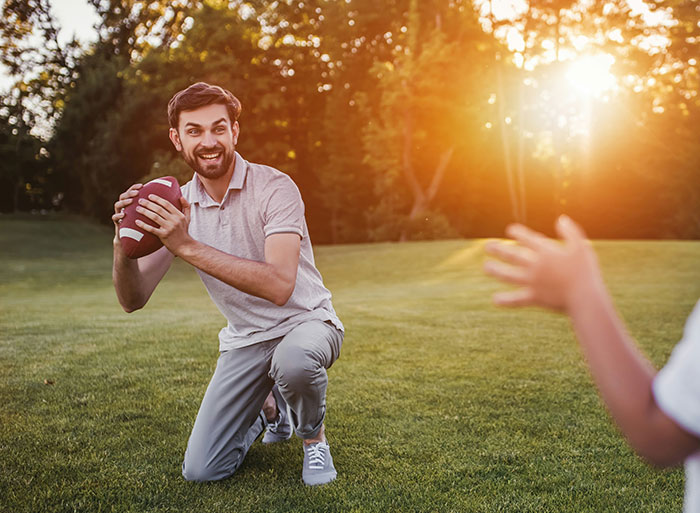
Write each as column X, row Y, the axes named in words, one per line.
column 550, row 274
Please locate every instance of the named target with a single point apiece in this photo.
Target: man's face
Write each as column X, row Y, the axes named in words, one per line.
column 207, row 140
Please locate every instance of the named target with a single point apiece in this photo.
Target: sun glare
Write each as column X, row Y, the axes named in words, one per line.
column 591, row 75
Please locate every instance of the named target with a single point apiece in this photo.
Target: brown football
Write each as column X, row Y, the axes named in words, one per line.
column 135, row 241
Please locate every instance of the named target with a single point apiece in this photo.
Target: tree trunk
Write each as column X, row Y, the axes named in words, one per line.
column 19, row 185
column 421, row 198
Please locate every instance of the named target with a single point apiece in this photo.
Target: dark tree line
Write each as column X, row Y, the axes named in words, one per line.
column 398, row 120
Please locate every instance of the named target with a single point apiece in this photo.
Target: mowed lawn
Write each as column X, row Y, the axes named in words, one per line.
column 439, row 402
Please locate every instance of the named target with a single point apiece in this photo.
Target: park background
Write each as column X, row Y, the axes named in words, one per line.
column 398, row 120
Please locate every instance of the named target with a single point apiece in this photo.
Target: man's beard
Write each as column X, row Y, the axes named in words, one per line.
column 213, row 169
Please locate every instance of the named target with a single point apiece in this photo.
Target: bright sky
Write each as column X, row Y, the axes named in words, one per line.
column 75, row 17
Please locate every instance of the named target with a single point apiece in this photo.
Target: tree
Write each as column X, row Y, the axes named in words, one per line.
column 413, row 120
column 431, row 99
column 44, row 68
column 24, row 179
column 99, row 146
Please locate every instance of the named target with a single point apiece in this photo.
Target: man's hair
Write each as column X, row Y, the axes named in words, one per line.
column 199, row 95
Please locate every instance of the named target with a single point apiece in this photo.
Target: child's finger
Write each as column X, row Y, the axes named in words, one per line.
column 568, row 230
column 516, row 255
column 528, row 238
column 506, row 273
column 520, row 297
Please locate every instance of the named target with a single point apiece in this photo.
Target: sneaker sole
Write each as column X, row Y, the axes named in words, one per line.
column 321, row 479
column 273, row 440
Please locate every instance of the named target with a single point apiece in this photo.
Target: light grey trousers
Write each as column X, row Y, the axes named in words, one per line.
column 230, row 417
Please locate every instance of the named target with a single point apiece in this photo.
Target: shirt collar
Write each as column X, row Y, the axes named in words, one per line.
column 240, row 171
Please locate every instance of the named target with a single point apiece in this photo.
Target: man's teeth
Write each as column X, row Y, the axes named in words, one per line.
column 210, row 156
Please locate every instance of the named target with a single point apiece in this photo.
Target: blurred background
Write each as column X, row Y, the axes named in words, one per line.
column 397, row 119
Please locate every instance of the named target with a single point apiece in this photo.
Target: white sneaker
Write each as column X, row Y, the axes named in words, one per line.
column 318, row 464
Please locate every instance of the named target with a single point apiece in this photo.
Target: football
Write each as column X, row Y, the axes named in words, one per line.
column 136, row 242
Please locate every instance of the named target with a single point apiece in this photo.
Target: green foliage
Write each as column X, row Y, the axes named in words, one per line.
column 86, row 144
column 439, row 401
column 25, row 180
column 428, row 105
column 383, row 115
column 31, row 52
column 169, row 164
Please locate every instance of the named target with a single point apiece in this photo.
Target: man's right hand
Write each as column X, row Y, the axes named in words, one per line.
column 125, row 198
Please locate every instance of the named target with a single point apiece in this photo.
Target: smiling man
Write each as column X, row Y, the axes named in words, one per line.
column 242, row 227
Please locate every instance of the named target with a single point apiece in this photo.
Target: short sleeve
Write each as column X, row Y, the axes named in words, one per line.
column 284, row 208
column 677, row 386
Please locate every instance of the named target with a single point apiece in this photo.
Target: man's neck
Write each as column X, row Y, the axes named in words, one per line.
column 216, row 187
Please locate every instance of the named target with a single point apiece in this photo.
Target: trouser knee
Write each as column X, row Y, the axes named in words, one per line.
column 293, row 368
column 201, row 468
column 199, row 472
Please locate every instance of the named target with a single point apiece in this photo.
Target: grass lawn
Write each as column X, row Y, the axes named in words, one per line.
column 439, row 402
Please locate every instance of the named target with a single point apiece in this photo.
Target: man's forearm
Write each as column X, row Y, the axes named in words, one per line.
column 259, row 279
column 127, row 280
column 135, row 280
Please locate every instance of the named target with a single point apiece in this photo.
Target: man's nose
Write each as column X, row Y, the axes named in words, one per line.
column 209, row 139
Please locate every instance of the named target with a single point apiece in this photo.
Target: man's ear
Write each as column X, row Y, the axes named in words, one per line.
column 236, row 130
column 175, row 138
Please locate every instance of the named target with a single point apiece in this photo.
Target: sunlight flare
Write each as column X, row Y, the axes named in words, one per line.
column 591, row 74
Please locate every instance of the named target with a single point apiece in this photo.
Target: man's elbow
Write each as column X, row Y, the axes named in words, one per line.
column 131, row 308
column 131, row 304
column 283, row 293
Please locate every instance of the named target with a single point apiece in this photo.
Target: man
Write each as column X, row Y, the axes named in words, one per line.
column 242, row 227
column 658, row 413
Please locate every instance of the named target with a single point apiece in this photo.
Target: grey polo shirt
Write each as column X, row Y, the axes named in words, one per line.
column 260, row 201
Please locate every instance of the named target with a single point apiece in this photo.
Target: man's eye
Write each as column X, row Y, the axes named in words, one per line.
column 220, row 130
column 193, row 131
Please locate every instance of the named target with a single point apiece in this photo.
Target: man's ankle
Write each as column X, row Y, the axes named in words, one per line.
column 270, row 409
column 320, row 437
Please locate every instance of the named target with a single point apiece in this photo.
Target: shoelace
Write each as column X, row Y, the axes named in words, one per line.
column 273, row 426
column 317, row 456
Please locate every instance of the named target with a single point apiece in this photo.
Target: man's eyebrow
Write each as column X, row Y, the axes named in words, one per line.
column 197, row 125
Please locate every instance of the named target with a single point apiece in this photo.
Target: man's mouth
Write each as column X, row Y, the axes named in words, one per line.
column 209, row 156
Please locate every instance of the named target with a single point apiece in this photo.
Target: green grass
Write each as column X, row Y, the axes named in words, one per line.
column 439, row 402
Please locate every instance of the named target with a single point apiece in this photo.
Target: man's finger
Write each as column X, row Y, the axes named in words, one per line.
column 119, row 205
column 506, row 273
column 528, row 238
column 154, row 213
column 150, row 229
column 159, row 209
column 516, row 255
column 520, row 297
column 131, row 191
column 165, row 204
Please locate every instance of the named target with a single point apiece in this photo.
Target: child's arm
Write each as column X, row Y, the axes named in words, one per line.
column 567, row 278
